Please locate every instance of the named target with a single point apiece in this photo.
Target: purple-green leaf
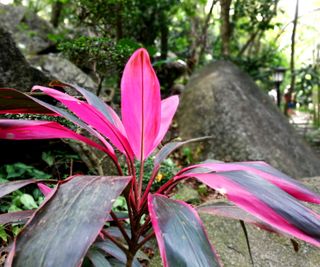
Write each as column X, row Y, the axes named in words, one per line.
column 167, row 149
column 110, row 248
column 16, row 217
column 65, row 226
column 180, row 234
column 228, row 210
column 98, row 259
column 13, row 101
column 266, row 201
column 7, row 188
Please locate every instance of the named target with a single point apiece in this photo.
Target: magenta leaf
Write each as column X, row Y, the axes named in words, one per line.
column 92, row 117
column 45, row 190
column 168, row 109
column 97, row 103
column 29, row 130
column 140, row 103
column 78, row 122
column 265, row 201
column 262, row 169
column 16, row 217
column 64, row 227
column 13, row 102
column 180, row 234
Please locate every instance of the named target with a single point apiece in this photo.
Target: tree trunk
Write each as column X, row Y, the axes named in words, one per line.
column 225, row 29
column 293, row 41
column 164, row 30
column 119, row 29
column 204, row 35
column 56, row 13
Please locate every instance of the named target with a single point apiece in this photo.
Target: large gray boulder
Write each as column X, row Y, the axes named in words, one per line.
column 64, row 70
column 29, row 31
column 15, row 71
column 224, row 102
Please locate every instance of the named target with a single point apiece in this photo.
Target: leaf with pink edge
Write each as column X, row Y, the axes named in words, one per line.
column 262, row 169
column 92, row 117
column 265, row 201
column 64, row 227
column 227, row 210
column 96, row 102
column 180, row 234
column 12, row 101
column 9, row 187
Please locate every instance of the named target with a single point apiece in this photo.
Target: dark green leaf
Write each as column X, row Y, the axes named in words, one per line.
column 180, row 234
column 97, row 258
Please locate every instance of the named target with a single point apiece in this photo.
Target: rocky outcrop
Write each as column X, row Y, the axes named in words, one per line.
column 29, row 31
column 222, row 101
column 62, row 69
column 15, row 71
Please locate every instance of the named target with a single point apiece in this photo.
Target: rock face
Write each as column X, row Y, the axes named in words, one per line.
column 268, row 250
column 62, row 69
column 29, row 31
column 224, row 102
column 15, row 71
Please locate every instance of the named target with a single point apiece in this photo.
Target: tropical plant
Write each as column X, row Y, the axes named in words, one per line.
column 71, row 222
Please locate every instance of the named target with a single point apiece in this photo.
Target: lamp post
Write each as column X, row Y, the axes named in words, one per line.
column 278, row 75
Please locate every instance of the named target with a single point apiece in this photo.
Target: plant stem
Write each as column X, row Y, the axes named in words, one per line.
column 140, row 182
column 115, row 241
column 147, row 238
column 146, row 192
column 119, row 225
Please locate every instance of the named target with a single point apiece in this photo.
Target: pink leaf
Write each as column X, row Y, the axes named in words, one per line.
column 168, row 109
column 286, row 183
column 265, row 201
column 27, row 130
column 45, row 190
column 140, row 103
column 92, row 117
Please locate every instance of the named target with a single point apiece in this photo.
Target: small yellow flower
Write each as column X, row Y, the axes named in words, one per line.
column 159, row 177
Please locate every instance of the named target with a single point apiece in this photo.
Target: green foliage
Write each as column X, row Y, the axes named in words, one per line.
column 20, row 171
column 307, row 78
column 107, row 55
column 41, row 117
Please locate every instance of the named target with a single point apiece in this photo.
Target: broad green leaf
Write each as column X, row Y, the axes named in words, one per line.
column 68, row 222
column 3, row 234
column 28, row 201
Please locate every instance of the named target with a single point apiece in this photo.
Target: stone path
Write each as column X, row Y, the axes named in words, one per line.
column 302, row 122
